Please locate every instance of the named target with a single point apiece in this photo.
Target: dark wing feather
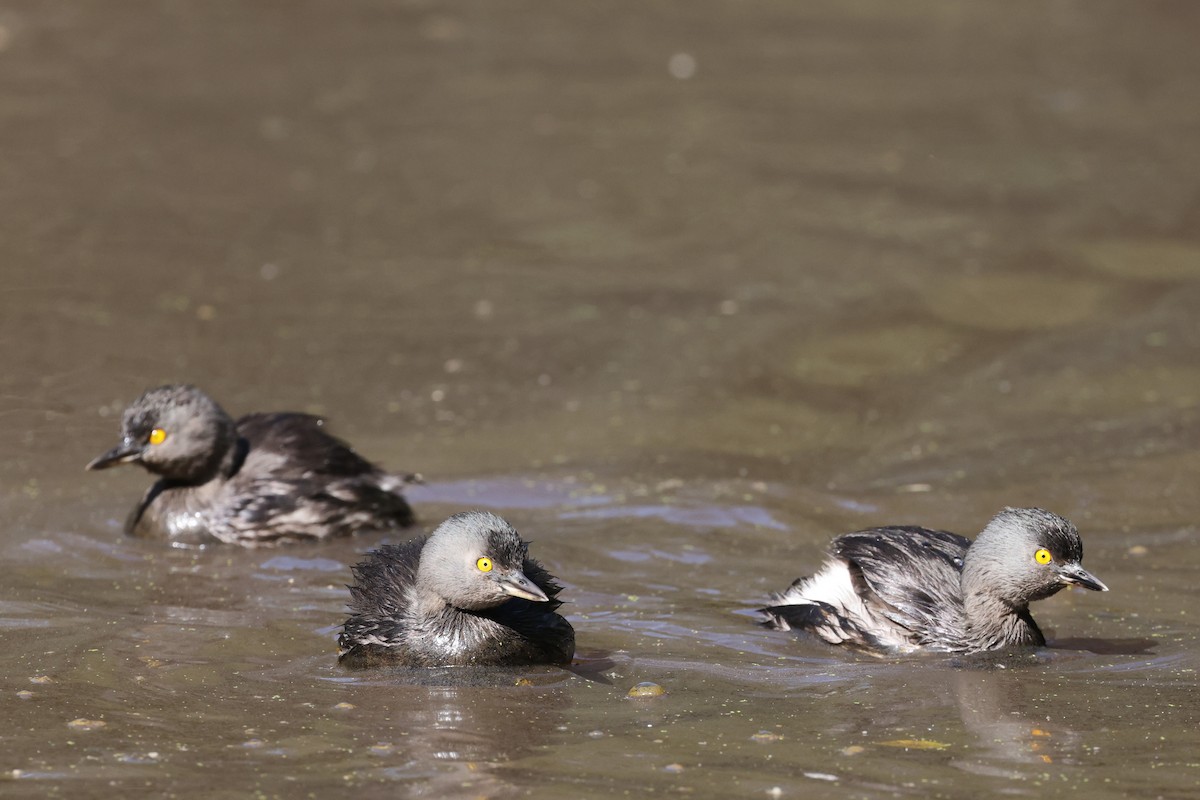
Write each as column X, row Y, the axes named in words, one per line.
column 300, row 482
column 534, row 570
column 378, row 598
column 910, row 575
column 303, row 439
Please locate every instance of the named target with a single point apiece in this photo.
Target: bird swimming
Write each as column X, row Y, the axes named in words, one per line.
column 264, row 479
column 467, row 594
column 897, row 590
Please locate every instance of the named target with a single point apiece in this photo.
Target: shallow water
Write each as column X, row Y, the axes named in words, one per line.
column 682, row 291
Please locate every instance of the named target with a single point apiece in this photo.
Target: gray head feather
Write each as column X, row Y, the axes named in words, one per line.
column 474, row 561
column 195, row 436
column 1025, row 554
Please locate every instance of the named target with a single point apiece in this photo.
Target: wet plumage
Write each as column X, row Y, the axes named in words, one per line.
column 900, row 589
column 264, row 479
column 466, row 594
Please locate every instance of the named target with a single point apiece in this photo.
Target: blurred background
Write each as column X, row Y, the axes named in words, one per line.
column 682, row 290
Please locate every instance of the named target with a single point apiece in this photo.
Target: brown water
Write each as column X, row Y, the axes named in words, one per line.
column 682, row 290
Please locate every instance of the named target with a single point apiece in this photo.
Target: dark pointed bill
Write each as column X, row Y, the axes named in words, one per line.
column 121, row 454
column 1077, row 575
column 516, row 584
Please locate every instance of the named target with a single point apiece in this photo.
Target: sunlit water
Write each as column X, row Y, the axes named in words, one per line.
column 682, row 291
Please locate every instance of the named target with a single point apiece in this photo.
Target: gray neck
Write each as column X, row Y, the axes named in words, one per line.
column 433, row 631
column 222, row 461
column 995, row 622
column 431, row 614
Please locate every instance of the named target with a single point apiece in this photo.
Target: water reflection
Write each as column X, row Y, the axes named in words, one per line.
column 458, row 730
column 996, row 706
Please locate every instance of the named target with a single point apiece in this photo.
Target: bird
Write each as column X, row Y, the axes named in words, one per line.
column 265, row 479
column 902, row 589
column 466, row 594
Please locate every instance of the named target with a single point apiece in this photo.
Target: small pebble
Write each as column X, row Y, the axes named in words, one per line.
column 344, row 706
column 646, row 689
column 673, row 768
column 82, row 724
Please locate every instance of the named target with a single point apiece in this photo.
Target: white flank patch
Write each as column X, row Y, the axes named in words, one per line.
column 832, row 586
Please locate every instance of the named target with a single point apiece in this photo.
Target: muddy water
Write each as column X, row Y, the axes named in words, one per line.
column 682, row 291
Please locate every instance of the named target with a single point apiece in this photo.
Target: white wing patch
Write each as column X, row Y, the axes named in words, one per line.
column 831, row 585
column 851, row 616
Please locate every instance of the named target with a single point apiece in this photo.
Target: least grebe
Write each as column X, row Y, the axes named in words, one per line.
column 466, row 594
column 264, row 479
column 900, row 589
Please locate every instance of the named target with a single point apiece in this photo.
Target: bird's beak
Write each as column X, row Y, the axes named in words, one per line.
column 516, row 584
column 1074, row 573
column 124, row 453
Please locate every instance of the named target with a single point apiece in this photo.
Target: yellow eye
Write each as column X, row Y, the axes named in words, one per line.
column 1042, row 556
column 158, row 436
column 484, row 564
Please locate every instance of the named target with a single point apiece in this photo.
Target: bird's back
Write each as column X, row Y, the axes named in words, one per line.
column 301, row 443
column 883, row 589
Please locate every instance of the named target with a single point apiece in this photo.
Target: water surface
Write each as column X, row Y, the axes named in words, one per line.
column 681, row 290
